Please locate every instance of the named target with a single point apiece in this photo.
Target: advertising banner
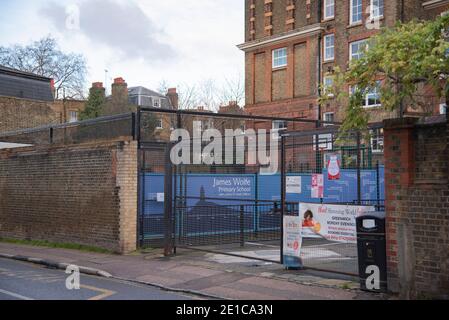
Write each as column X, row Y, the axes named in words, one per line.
column 331, row 222
column 292, row 236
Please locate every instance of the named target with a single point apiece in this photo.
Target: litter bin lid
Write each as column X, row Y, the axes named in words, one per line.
column 373, row 215
column 371, row 222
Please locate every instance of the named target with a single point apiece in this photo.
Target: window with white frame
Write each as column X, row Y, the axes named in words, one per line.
column 371, row 97
column 329, row 47
column 73, row 116
column 329, row 9
column 328, row 117
column 328, row 84
column 357, row 49
column 377, row 9
column 280, row 125
column 356, row 14
column 280, row 58
column 325, row 142
column 156, row 102
column 377, row 140
column 159, row 124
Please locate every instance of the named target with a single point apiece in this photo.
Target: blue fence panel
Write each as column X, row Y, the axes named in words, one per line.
column 153, row 185
column 235, row 188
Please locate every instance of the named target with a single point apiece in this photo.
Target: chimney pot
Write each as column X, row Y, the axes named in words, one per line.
column 119, row 80
column 98, row 85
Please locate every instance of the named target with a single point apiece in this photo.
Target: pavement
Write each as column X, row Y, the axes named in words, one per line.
column 26, row 281
column 204, row 275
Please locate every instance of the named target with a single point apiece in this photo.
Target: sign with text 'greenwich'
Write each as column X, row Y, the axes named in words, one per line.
column 331, row 222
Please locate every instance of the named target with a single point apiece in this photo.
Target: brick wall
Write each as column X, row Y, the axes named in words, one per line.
column 83, row 194
column 65, row 107
column 18, row 114
column 417, row 204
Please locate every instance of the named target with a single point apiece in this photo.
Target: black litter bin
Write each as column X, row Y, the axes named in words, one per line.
column 371, row 244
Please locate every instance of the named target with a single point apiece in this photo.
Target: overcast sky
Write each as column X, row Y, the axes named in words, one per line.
column 143, row 41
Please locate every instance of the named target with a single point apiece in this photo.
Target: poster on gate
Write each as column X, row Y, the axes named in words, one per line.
column 317, row 186
column 335, row 223
column 292, row 236
column 294, row 185
column 333, row 167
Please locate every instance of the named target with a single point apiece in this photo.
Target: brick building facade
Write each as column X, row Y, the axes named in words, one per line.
column 26, row 101
column 291, row 46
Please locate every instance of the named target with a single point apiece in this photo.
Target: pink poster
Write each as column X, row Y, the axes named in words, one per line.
column 317, row 186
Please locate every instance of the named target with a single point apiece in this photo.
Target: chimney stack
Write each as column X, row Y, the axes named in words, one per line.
column 98, row 86
column 53, row 89
column 120, row 92
column 173, row 96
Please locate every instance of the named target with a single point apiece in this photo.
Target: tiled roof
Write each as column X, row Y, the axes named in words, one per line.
column 19, row 84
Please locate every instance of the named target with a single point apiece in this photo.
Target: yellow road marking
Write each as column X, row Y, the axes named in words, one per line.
column 104, row 292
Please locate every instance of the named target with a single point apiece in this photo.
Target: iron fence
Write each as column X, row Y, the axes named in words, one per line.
column 191, row 215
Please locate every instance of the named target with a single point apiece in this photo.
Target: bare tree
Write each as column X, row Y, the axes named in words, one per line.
column 233, row 89
column 188, row 96
column 207, row 93
column 44, row 58
column 163, row 87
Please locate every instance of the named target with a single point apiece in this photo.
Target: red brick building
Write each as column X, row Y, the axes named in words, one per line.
column 291, row 46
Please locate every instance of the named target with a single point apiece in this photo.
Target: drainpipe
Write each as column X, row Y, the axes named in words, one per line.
column 399, row 87
column 402, row 11
column 320, row 14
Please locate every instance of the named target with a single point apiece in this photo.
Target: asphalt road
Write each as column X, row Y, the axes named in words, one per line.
column 24, row 281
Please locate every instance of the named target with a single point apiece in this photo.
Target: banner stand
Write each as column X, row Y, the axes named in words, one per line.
column 292, row 243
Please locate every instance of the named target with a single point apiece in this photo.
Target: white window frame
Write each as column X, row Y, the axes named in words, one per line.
column 156, row 102
column 276, row 128
column 380, row 15
column 351, row 13
column 443, row 108
column 325, row 142
column 351, row 50
column 329, row 4
column 160, row 124
column 276, row 125
column 326, row 47
column 326, row 86
column 73, row 119
column 324, row 118
column 377, row 135
column 366, row 97
column 278, row 61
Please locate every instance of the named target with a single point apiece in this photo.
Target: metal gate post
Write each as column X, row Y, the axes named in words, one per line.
column 378, row 184
column 141, row 184
column 168, row 203
column 283, row 186
column 359, row 174
column 242, row 226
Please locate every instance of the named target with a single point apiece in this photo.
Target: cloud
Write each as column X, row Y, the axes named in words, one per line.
column 122, row 26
